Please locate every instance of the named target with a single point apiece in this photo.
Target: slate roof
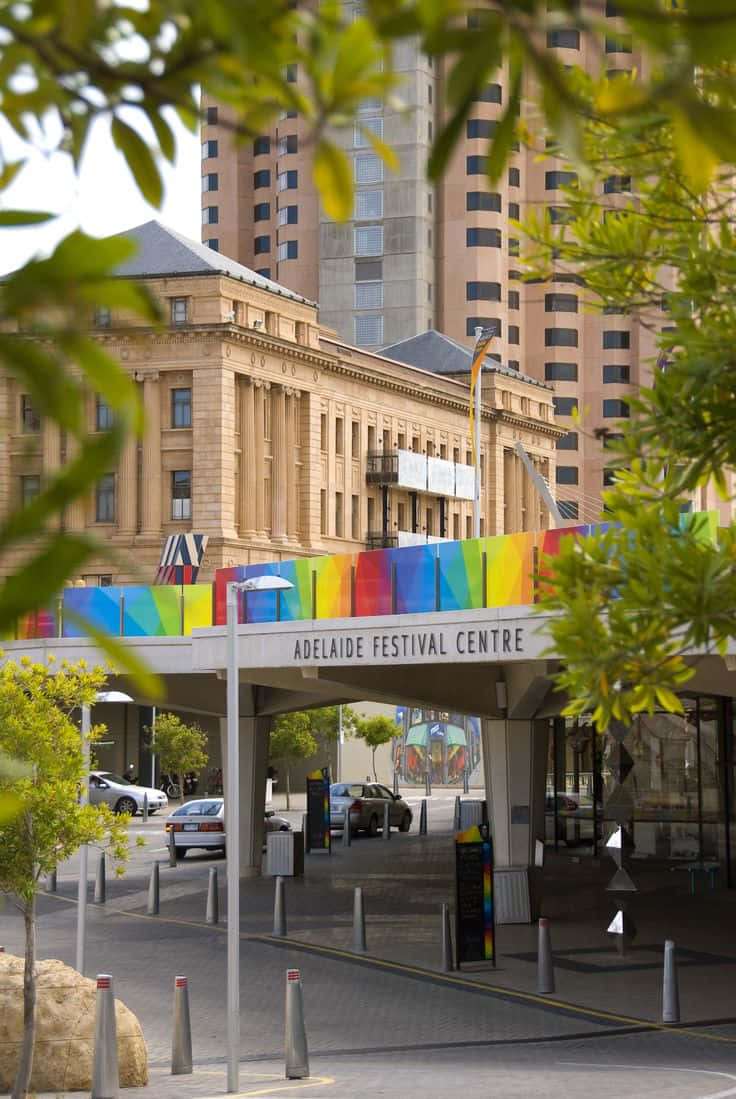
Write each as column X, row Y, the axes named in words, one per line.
column 438, row 354
column 162, row 252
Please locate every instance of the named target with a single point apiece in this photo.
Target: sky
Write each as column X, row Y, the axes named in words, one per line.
column 102, row 199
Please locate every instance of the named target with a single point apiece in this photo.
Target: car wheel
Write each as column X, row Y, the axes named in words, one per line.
column 284, row 828
column 372, row 828
column 405, row 823
column 126, row 805
column 180, row 852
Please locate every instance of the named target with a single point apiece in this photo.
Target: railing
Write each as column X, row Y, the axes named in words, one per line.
column 378, row 540
column 382, row 468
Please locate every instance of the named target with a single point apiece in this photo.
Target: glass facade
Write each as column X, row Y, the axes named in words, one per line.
column 669, row 777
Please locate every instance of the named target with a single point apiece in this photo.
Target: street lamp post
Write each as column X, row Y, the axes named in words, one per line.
column 232, row 817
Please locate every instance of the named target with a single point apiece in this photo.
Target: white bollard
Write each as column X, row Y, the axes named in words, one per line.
column 279, row 908
column 347, row 839
column 545, row 970
column 213, row 906
column 386, row 822
column 181, row 1039
column 670, row 989
column 153, row 891
column 105, row 1079
column 100, row 886
column 358, row 921
column 296, row 1054
column 50, row 886
column 145, row 808
column 172, row 847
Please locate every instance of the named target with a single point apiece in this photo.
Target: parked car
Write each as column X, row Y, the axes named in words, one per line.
column 122, row 795
column 364, row 802
column 200, row 824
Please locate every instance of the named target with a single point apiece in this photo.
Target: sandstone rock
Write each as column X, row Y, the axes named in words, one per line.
column 65, row 1030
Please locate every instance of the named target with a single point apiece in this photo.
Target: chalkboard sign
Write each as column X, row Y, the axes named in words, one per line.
column 475, row 939
column 318, row 810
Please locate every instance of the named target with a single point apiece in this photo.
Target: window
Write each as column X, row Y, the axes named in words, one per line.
column 609, row 477
column 568, row 509
column 560, row 215
column 262, row 212
column 475, row 165
column 513, row 333
column 615, row 373
column 355, row 438
column 262, row 244
column 514, row 210
column 483, row 322
column 287, row 181
column 288, row 249
column 490, row 94
column 105, row 499
column 339, row 516
column 568, row 442
column 483, row 238
column 513, row 364
column 369, row 295
column 513, row 299
column 513, row 246
column 620, row 43
column 560, row 303
column 30, row 488
column 560, row 337
column 179, row 310
column 291, row 74
column 323, row 511
column 209, row 148
column 339, row 435
column 181, row 494
column 289, row 215
column 323, row 431
column 514, row 177
column 616, row 185
column 261, row 179
column 211, row 181
column 482, row 291
column 567, row 475
column 368, row 168
column 104, row 419
column 368, row 204
column 210, row 215
column 288, row 144
column 214, row 244
column 211, row 116
column 368, row 270
column 567, row 38
column 560, row 372
column 369, row 105
column 102, row 317
column 369, row 241
column 613, row 408
column 369, row 330
column 553, row 180
column 355, row 518
column 613, row 341
column 429, row 93
column 482, row 200
column 565, row 406
column 480, row 127
column 361, row 130
column 181, row 407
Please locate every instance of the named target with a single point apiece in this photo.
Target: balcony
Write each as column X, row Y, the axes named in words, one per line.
column 376, row 539
column 420, row 473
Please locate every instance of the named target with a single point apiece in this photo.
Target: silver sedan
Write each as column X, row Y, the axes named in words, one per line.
column 365, row 803
column 200, row 825
column 123, row 796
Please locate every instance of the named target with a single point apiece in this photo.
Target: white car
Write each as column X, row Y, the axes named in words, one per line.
column 200, row 824
column 105, row 787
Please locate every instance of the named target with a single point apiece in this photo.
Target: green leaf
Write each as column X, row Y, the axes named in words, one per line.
column 139, row 159
column 697, row 158
column 334, row 181
column 15, row 218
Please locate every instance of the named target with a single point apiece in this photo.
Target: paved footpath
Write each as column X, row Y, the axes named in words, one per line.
column 390, row 1022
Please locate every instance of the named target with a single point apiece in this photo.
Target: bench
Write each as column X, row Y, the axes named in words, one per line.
column 695, row 868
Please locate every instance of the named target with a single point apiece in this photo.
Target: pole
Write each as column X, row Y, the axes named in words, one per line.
column 340, row 742
column 83, row 851
column 233, row 846
column 153, row 758
column 476, row 402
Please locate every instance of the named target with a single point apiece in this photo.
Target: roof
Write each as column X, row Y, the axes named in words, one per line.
column 438, row 354
column 164, row 252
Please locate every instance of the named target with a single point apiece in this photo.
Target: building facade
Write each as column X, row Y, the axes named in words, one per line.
column 274, row 438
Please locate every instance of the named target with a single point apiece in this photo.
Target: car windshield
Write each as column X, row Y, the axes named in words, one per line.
column 110, row 776
column 343, row 790
column 198, row 809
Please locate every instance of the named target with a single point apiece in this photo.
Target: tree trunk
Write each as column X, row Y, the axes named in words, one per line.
column 375, row 776
column 288, row 790
column 25, row 1065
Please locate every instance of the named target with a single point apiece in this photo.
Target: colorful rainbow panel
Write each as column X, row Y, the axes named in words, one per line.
column 153, row 611
column 197, row 606
column 222, row 579
column 372, row 583
column 461, row 575
column 510, row 569
column 98, row 606
column 334, row 577
column 415, row 578
column 259, row 606
column 296, row 602
column 488, row 937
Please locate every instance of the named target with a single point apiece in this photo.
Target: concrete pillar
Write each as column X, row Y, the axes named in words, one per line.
column 151, row 468
column 515, row 760
column 254, row 733
column 259, row 453
column 248, row 471
column 292, row 477
column 279, row 473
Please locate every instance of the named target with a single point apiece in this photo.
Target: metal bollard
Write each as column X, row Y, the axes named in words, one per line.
column 100, row 884
column 153, row 891
column 172, row 848
column 386, row 822
column 181, row 1039
column 545, row 970
column 446, row 938
column 213, row 907
column 296, row 1054
column 457, row 814
column 279, row 907
column 396, row 783
column 427, row 784
column 347, row 838
column 305, row 833
column 50, row 886
column 466, row 783
column 358, row 921
column 105, row 1078
column 423, row 818
column 670, row 989
column 145, row 808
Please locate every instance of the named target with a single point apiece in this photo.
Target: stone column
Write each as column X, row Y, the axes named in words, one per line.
column 128, row 487
column 254, row 733
column 279, row 459
column 292, row 482
column 51, row 458
column 259, row 454
column 514, row 761
column 249, row 474
column 75, row 513
column 151, row 466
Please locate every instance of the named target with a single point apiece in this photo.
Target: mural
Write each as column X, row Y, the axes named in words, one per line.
column 437, row 742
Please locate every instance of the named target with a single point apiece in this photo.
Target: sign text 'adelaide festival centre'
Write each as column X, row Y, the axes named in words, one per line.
column 384, row 646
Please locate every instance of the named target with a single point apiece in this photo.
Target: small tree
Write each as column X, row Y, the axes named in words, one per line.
column 324, row 724
column 376, row 731
column 290, row 742
column 179, row 747
column 36, row 728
